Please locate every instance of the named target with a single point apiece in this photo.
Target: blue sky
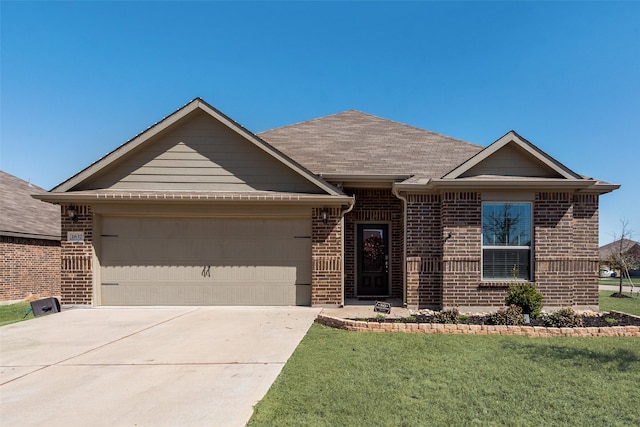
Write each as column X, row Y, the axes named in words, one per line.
column 80, row 78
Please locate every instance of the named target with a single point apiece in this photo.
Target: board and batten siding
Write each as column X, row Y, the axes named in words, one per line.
column 201, row 155
column 511, row 160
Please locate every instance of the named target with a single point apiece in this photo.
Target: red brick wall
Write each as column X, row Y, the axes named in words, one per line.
column 447, row 271
column 585, row 249
column 424, row 251
column 326, row 250
column 553, row 240
column 375, row 206
column 461, row 254
column 29, row 267
column 77, row 258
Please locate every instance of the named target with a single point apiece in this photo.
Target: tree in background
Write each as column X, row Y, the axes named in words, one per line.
column 621, row 257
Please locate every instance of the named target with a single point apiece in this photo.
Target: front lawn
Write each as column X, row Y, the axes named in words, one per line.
column 340, row 378
column 12, row 313
column 625, row 305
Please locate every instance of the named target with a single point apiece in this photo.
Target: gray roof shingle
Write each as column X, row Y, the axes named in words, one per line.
column 356, row 143
column 23, row 216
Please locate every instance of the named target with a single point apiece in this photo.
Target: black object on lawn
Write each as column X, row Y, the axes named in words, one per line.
column 45, row 306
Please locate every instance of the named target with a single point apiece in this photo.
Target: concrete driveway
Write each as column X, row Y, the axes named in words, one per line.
column 145, row 366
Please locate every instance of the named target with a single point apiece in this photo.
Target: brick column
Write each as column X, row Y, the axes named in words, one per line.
column 585, row 248
column 76, row 274
column 424, row 251
column 461, row 254
column 553, row 247
column 326, row 252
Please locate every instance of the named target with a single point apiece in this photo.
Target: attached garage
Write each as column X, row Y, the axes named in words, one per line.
column 197, row 210
column 205, row 261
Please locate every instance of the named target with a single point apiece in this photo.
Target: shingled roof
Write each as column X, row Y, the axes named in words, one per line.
column 23, row 216
column 612, row 248
column 356, row 143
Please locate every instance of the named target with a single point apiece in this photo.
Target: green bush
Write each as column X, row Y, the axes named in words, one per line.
column 527, row 297
column 611, row 321
column 565, row 318
column 447, row 316
column 507, row 316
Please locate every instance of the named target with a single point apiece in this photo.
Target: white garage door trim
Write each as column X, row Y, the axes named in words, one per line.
column 205, row 261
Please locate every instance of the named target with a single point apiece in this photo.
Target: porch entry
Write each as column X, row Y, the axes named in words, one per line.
column 372, row 253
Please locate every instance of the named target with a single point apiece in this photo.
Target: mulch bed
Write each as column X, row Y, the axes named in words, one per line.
column 588, row 320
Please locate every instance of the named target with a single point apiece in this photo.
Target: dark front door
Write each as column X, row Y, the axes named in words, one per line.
column 373, row 259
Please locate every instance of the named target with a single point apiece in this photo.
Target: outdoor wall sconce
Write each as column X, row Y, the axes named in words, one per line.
column 325, row 215
column 72, row 213
column 449, row 235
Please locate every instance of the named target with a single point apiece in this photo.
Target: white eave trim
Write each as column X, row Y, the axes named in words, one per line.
column 582, row 186
column 190, row 197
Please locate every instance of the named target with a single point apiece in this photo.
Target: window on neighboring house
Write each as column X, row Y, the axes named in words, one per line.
column 506, row 241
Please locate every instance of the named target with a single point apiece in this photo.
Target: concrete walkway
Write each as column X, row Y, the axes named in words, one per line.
column 615, row 288
column 145, row 366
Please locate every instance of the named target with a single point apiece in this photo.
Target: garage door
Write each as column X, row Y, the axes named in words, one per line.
column 205, row 261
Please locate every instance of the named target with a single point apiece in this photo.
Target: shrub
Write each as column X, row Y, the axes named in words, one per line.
column 565, row 318
column 446, row 316
column 611, row 321
column 527, row 297
column 511, row 315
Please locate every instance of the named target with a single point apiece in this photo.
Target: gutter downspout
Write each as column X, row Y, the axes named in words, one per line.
column 342, row 214
column 396, row 192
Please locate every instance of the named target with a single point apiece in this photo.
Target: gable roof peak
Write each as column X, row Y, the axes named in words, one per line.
column 512, row 137
column 174, row 119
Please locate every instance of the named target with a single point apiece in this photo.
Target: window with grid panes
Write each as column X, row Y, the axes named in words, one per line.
column 506, row 241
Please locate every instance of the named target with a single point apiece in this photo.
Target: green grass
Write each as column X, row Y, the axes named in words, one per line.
column 625, row 305
column 615, row 281
column 14, row 313
column 340, row 378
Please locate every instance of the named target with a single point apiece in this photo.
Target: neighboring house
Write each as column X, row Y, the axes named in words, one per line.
column 197, row 210
column 629, row 247
column 29, row 242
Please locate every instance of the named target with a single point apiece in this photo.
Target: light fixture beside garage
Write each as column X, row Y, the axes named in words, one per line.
column 325, row 215
column 72, row 213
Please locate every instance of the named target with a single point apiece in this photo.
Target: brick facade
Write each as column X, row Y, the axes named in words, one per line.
column 77, row 258
column 326, row 252
column 375, row 206
column 29, row 267
column 444, row 251
column 424, row 251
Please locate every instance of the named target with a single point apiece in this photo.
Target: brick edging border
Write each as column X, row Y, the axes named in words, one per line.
column 440, row 328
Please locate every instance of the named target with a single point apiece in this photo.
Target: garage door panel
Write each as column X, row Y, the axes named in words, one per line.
column 222, row 294
column 205, row 261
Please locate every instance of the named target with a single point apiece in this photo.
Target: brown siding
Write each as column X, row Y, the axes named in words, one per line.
column 77, row 258
column 326, row 246
column 375, row 206
column 202, row 154
column 512, row 160
column 29, row 267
